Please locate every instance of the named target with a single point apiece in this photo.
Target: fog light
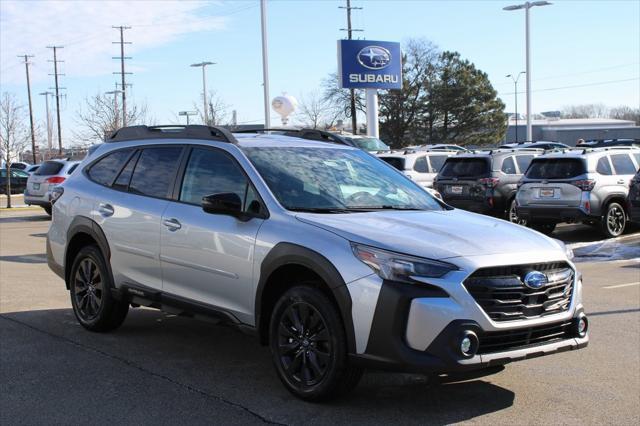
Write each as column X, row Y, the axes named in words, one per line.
column 581, row 326
column 468, row 344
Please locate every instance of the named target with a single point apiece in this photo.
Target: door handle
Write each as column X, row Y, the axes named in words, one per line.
column 105, row 209
column 172, row 224
column 621, row 181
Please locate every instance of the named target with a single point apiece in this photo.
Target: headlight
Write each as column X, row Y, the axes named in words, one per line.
column 400, row 267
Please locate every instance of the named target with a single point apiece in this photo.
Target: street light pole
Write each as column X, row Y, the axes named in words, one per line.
column 204, row 89
column 265, row 63
column 527, row 6
column 515, row 92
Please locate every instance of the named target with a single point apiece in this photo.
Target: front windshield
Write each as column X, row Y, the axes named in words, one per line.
column 370, row 144
column 333, row 180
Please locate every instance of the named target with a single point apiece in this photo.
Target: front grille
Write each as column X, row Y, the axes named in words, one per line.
column 499, row 341
column 500, row 291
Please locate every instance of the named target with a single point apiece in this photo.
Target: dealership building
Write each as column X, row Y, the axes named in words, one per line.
column 568, row 131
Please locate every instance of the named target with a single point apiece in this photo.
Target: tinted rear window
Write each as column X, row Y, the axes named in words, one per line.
column 396, row 162
column 556, row 168
column 437, row 161
column 49, row 168
column 105, row 170
column 465, row 167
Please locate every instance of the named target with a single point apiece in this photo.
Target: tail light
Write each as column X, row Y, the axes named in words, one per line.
column 55, row 180
column 489, row 182
column 585, row 185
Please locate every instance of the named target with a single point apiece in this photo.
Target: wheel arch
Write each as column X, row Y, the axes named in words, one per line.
column 82, row 232
column 288, row 264
column 617, row 197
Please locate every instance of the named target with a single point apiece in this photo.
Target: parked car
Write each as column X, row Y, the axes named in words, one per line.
column 420, row 166
column 589, row 186
column 32, row 169
column 546, row 145
column 442, row 146
column 19, row 165
column 330, row 257
column 633, row 199
column 604, row 143
column 485, row 181
column 49, row 175
column 18, row 181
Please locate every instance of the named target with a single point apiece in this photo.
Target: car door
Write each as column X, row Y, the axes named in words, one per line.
column 207, row 257
column 129, row 210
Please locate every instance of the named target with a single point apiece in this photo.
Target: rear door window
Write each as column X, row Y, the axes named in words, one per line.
column 465, row 168
column 49, row 168
column 122, row 182
column 421, row 165
column 622, row 164
column 509, row 166
column 604, row 167
column 437, row 161
column 396, row 162
column 104, row 171
column 523, row 162
column 155, row 171
column 556, row 168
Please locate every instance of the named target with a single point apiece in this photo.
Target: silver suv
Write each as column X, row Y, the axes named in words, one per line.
column 298, row 242
column 585, row 185
column 419, row 166
column 41, row 183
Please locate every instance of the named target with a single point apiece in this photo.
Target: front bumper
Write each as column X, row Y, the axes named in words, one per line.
column 417, row 328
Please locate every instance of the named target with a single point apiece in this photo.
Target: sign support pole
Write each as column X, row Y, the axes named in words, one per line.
column 372, row 112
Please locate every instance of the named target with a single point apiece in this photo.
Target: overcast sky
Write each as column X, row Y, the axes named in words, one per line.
column 582, row 51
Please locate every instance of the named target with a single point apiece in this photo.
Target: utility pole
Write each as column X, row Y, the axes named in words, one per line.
column 349, row 30
column 49, row 129
column 57, row 88
column 122, row 72
column 33, row 136
column 265, row 63
column 204, row 89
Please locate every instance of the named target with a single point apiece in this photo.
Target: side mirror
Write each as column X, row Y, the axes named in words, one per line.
column 224, row 203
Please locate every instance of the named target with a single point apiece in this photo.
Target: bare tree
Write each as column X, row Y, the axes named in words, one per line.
column 340, row 98
column 101, row 115
column 218, row 110
column 585, row 111
column 14, row 134
column 317, row 112
column 625, row 113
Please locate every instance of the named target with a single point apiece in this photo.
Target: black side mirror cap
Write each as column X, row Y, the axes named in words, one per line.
column 227, row 203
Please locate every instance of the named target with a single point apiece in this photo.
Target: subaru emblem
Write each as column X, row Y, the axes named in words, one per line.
column 535, row 279
column 374, row 57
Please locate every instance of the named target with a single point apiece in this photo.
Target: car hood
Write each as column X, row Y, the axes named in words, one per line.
column 433, row 234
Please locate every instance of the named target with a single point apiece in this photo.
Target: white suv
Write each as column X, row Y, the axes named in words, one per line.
column 328, row 255
column 419, row 166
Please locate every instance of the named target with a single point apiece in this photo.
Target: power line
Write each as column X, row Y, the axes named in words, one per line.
column 33, row 137
column 599, row 83
column 551, row 77
column 352, row 94
column 122, row 71
column 57, row 88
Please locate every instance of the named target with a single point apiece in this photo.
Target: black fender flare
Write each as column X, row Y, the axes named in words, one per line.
column 85, row 225
column 616, row 195
column 293, row 254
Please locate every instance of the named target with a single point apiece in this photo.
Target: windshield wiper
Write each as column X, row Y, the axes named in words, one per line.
column 385, row 207
column 321, row 210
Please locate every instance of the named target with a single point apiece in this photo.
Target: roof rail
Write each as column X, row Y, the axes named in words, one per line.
column 608, row 148
column 310, row 134
column 194, row 131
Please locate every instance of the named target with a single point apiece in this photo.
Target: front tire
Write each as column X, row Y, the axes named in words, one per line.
column 90, row 286
column 47, row 209
column 544, row 228
column 614, row 220
column 309, row 346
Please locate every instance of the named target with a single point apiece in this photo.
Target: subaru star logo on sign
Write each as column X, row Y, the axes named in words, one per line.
column 374, row 57
column 535, row 279
column 366, row 64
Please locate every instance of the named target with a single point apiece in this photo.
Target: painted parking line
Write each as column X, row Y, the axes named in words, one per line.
column 621, row 285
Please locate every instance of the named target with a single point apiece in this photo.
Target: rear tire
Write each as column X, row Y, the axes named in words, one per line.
column 512, row 214
column 544, row 228
column 90, row 288
column 614, row 220
column 47, row 209
column 309, row 346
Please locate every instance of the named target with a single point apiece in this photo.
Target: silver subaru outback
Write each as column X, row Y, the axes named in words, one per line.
column 330, row 256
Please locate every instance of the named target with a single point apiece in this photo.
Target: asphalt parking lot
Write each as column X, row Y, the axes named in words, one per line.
column 163, row 369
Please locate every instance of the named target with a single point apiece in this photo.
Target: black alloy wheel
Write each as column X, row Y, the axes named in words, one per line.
column 88, row 289
column 304, row 347
column 615, row 220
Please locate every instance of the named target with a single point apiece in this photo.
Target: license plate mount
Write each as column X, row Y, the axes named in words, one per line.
column 547, row 192
column 36, row 186
column 456, row 189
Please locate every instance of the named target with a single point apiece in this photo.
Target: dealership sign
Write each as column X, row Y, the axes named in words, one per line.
column 366, row 64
